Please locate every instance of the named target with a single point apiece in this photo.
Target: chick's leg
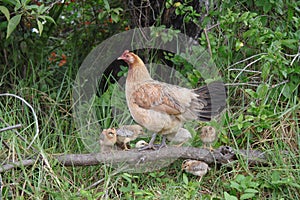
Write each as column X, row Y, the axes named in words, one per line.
column 211, row 148
column 151, row 143
column 126, row 141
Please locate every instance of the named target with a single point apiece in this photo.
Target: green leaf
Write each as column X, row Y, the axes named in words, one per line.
column 106, row 5
column 286, row 91
column 12, row 24
column 40, row 26
column 265, row 70
column 235, row 185
column 102, row 15
column 262, row 90
column 247, row 196
column 5, row 11
column 250, row 190
column 251, row 93
column 185, row 179
column 115, row 17
column 18, row 5
column 48, row 18
column 229, row 197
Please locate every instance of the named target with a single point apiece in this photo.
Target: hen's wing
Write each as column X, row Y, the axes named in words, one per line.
column 159, row 97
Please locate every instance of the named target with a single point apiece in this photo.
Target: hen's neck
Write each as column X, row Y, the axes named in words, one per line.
column 138, row 73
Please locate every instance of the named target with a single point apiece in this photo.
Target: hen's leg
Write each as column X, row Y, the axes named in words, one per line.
column 151, row 143
column 163, row 143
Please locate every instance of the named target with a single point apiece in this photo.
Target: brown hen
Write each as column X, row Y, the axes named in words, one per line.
column 163, row 108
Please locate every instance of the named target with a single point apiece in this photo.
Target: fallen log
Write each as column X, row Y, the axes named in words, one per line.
column 150, row 160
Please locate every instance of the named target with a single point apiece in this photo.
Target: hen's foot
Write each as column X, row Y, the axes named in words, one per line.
column 150, row 145
column 163, row 143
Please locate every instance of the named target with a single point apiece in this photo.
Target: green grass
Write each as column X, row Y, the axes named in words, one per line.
column 279, row 180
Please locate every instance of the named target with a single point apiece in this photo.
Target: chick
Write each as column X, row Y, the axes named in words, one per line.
column 179, row 138
column 208, row 136
column 128, row 133
column 140, row 144
column 108, row 139
column 195, row 167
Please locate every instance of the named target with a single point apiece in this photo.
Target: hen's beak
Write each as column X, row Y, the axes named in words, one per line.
column 121, row 58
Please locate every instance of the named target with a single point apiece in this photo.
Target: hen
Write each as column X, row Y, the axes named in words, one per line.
column 163, row 108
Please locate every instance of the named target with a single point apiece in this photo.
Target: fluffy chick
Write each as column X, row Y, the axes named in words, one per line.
column 179, row 138
column 195, row 167
column 108, row 139
column 208, row 136
column 128, row 133
column 141, row 144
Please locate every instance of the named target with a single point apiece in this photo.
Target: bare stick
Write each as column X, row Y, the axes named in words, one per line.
column 249, row 58
column 33, row 112
column 238, row 84
column 17, row 164
column 10, row 128
column 20, row 136
column 208, row 42
column 246, row 68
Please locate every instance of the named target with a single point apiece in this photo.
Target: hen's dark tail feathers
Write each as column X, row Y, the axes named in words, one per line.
column 213, row 96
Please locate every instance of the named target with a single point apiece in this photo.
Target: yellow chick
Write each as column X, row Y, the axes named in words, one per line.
column 179, row 138
column 108, row 139
column 195, row 167
column 128, row 133
column 208, row 136
column 141, row 144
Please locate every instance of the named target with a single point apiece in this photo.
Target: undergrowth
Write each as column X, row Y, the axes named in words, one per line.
column 256, row 49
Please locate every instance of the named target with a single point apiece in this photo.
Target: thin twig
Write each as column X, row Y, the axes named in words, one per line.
column 238, row 84
column 115, row 172
column 17, row 164
column 33, row 112
column 6, row 145
column 281, row 83
column 213, row 26
column 20, row 136
column 10, row 127
column 295, row 56
column 241, row 61
column 208, row 42
column 246, row 68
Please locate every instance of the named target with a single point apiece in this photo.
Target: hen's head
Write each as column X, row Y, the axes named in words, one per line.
column 129, row 57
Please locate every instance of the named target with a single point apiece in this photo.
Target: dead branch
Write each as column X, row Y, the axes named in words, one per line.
column 10, row 127
column 143, row 161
